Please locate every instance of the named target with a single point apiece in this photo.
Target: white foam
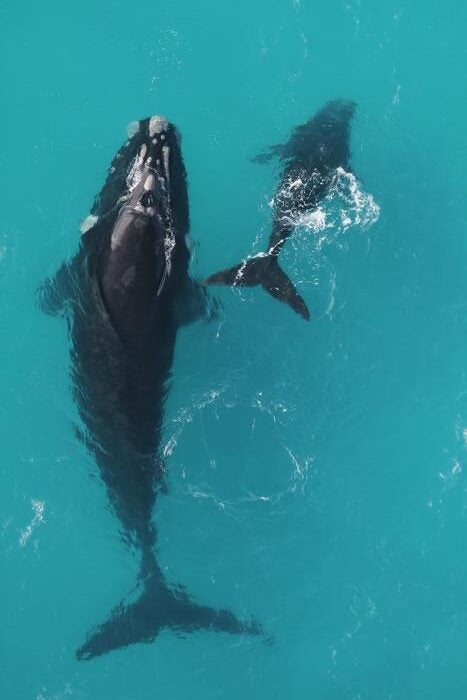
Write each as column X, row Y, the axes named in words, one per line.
column 346, row 205
column 315, row 220
column 38, row 509
column 169, row 245
column 360, row 208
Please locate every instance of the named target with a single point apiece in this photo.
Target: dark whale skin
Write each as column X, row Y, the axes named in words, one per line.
column 125, row 294
column 309, row 161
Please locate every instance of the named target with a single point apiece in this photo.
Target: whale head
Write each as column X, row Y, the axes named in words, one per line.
column 156, row 177
column 144, row 214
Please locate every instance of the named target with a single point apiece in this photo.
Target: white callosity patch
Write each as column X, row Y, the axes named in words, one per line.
column 144, row 176
column 150, row 183
column 137, row 169
column 132, row 129
column 169, row 240
column 166, row 157
column 88, row 223
column 157, row 128
column 141, row 165
column 39, row 509
column 157, row 125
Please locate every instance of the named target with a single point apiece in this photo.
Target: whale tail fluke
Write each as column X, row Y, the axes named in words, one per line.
column 263, row 270
column 158, row 607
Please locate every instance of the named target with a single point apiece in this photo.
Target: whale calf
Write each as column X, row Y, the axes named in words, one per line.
column 125, row 294
column 310, row 159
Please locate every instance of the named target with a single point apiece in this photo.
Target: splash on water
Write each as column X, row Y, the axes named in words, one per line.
column 346, row 205
column 38, row 508
column 185, row 416
column 65, row 693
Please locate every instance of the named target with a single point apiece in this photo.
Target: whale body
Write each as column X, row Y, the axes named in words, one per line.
column 125, row 294
column 309, row 159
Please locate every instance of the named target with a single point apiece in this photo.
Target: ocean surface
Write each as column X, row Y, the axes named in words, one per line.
column 317, row 471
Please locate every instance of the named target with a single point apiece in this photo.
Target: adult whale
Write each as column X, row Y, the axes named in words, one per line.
column 125, row 294
column 310, row 159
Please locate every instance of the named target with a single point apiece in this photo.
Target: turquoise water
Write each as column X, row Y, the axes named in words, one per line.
column 317, row 471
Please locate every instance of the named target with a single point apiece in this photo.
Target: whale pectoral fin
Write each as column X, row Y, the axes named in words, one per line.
column 194, row 304
column 268, row 154
column 54, row 292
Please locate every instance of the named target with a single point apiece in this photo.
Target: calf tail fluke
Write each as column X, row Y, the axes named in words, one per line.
column 263, row 270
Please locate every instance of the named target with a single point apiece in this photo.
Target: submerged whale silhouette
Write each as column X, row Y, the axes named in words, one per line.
column 310, row 159
column 125, row 294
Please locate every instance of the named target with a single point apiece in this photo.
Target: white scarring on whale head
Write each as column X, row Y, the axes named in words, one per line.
column 132, row 129
column 88, row 223
column 157, row 125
